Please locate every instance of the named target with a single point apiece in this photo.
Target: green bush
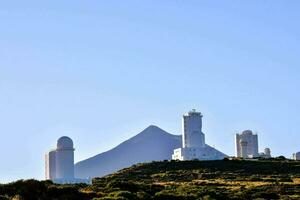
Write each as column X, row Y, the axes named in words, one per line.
column 167, row 195
column 123, row 194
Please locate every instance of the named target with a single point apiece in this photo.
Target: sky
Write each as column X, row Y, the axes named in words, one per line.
column 102, row 71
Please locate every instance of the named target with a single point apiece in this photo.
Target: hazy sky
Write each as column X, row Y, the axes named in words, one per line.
column 102, row 71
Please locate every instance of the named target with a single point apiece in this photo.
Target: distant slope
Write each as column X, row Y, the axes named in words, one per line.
column 175, row 180
column 152, row 144
column 176, row 171
column 194, row 180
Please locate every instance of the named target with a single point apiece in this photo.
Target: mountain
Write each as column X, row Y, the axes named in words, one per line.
column 152, row 144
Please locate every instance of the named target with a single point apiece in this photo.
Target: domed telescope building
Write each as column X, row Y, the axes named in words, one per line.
column 65, row 159
column 246, row 144
column 59, row 163
column 296, row 156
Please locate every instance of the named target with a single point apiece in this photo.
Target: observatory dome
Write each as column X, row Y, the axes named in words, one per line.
column 247, row 132
column 64, row 143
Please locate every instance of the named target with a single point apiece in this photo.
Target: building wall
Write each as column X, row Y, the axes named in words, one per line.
column 251, row 141
column 47, row 168
column 296, row 156
column 50, row 164
column 199, row 153
column 59, row 163
column 177, row 155
column 65, row 163
column 192, row 130
column 267, row 152
column 193, row 140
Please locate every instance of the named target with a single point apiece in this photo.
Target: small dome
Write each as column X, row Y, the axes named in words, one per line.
column 247, row 132
column 64, row 143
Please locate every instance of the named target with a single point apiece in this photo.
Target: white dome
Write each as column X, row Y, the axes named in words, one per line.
column 64, row 143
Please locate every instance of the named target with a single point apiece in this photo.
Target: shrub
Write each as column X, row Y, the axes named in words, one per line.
column 163, row 195
column 123, row 195
column 266, row 195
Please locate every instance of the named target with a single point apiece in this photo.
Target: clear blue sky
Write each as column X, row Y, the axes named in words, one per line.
column 101, row 71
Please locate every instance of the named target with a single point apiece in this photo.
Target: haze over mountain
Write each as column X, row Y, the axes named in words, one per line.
column 152, row 144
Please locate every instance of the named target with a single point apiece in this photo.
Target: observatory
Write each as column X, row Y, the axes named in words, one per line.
column 192, row 130
column 266, row 154
column 246, row 144
column 65, row 159
column 296, row 156
column 193, row 140
column 60, row 163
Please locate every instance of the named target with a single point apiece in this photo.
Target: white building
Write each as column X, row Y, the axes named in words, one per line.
column 266, row 153
column 246, row 144
column 59, row 163
column 192, row 135
column 296, row 156
column 193, row 140
column 65, row 159
column 50, row 164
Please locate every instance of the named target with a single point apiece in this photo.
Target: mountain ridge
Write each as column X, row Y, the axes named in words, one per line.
column 151, row 144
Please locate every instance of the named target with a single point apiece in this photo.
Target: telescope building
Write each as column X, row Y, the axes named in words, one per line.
column 59, row 163
column 193, row 140
column 246, row 145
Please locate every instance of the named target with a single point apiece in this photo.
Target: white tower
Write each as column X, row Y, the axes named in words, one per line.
column 267, row 152
column 192, row 130
column 296, row 156
column 60, row 163
column 244, row 145
column 65, row 159
column 247, row 144
column 193, row 140
column 50, row 165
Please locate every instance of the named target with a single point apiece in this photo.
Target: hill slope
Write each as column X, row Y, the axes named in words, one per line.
column 191, row 180
column 151, row 144
column 188, row 180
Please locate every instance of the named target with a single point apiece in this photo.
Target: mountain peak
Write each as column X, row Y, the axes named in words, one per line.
column 152, row 143
column 152, row 131
column 152, row 128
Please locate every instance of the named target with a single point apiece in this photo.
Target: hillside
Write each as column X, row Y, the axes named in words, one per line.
column 265, row 179
column 189, row 180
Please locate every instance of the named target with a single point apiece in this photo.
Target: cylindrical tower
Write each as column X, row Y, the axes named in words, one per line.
column 267, row 152
column 192, row 135
column 244, row 145
column 252, row 144
column 297, row 156
column 65, row 158
column 50, row 165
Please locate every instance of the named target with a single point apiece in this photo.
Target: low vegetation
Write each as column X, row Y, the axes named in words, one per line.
column 188, row 180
